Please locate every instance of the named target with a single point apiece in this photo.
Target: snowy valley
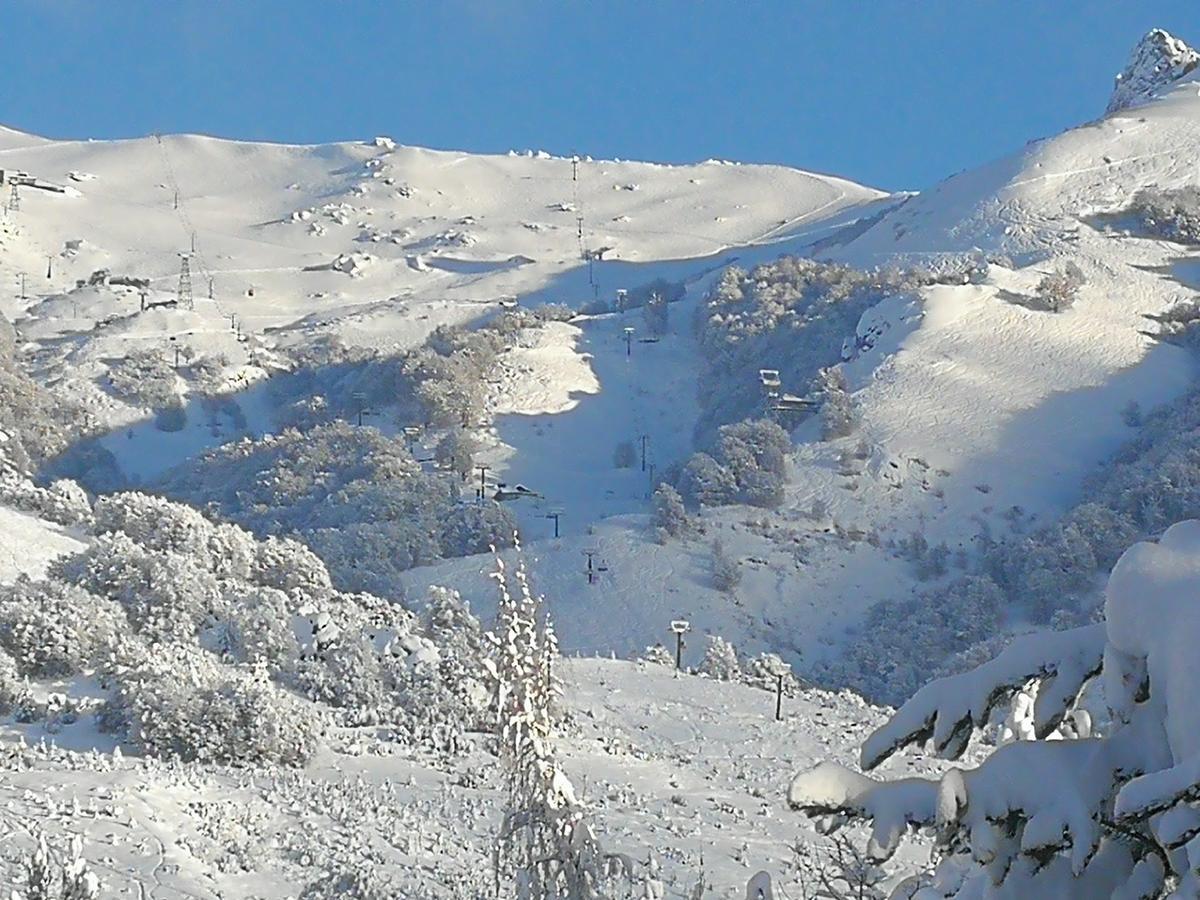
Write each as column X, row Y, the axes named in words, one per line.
column 387, row 522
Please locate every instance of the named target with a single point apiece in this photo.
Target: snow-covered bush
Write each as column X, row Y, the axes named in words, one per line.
column 1103, row 814
column 159, row 524
column 351, row 675
column 839, row 417
column 51, row 629
column 359, row 884
column 1170, row 214
column 720, row 660
column 658, row 655
column 763, row 672
column 902, row 639
column 11, row 682
column 145, row 378
column 749, row 466
column 838, row 870
column 165, row 595
column 47, row 878
column 257, row 628
column 1058, row 290
column 181, row 703
column 62, row 501
column 668, row 516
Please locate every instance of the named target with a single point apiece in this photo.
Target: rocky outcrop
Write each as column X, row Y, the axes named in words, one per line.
column 1158, row 60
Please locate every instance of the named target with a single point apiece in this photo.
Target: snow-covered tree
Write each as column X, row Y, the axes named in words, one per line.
column 755, row 451
column 750, row 466
column 547, row 848
column 720, row 660
column 625, row 455
column 656, row 313
column 1105, row 812
column 456, row 451
column 705, row 482
column 839, row 416
column 726, row 573
column 668, row 515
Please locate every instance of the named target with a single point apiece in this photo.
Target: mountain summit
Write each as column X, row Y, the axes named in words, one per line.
column 1158, row 60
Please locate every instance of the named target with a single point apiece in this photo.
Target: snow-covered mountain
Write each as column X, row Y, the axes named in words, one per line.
column 981, row 418
column 971, row 404
column 1017, row 407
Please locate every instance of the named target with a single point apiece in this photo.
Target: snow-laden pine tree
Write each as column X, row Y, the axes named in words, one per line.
column 547, row 848
column 1111, row 811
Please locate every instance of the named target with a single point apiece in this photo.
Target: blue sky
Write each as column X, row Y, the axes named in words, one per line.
column 894, row 94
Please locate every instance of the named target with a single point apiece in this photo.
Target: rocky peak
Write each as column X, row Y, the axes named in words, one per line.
column 1158, row 60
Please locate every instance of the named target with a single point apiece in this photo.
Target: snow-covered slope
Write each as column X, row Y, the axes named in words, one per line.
column 373, row 243
column 28, row 544
column 978, row 413
column 1031, row 202
column 688, row 770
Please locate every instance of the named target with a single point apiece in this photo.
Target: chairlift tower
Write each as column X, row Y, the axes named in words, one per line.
column 183, row 296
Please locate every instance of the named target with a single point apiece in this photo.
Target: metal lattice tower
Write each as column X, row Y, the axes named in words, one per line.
column 14, row 198
column 184, row 295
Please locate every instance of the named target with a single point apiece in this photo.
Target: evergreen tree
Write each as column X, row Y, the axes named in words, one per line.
column 547, row 848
